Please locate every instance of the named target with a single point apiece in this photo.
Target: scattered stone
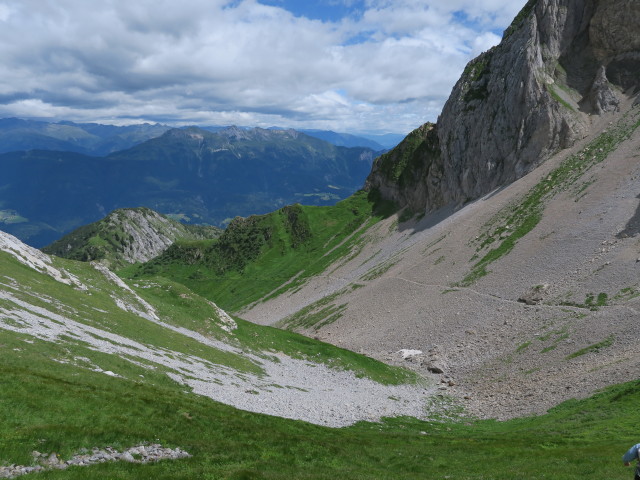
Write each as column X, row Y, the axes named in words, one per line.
column 534, row 296
column 137, row 454
column 406, row 353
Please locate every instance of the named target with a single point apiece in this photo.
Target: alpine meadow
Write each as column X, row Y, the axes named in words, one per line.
column 201, row 302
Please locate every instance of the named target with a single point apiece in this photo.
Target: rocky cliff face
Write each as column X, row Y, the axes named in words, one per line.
column 560, row 62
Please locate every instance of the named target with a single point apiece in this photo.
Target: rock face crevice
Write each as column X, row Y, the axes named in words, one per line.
column 559, row 62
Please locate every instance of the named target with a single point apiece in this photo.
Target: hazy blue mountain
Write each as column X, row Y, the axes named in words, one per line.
column 335, row 138
column 88, row 138
column 345, row 139
column 190, row 174
column 387, row 140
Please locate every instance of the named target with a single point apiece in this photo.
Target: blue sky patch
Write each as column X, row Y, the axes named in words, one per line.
column 324, row 10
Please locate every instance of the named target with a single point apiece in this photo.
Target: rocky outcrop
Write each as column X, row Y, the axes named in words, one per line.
column 615, row 42
column 409, row 174
column 139, row 454
column 127, row 236
column 148, row 232
column 602, row 98
column 559, row 62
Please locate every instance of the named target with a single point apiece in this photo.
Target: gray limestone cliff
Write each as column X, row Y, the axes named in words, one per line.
column 560, row 62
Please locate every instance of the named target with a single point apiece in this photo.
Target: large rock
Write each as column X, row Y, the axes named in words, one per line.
column 516, row 104
column 602, row 97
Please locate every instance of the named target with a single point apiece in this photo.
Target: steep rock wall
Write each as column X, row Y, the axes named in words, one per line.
column 559, row 62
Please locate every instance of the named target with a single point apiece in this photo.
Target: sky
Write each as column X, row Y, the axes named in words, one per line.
column 356, row 66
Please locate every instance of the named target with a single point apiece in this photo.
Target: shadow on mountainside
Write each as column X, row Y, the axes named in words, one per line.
column 633, row 225
column 432, row 219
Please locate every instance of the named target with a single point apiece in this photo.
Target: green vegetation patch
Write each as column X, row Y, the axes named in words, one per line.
column 318, row 314
column 556, row 96
column 591, row 301
column 595, row 348
column 520, row 18
column 474, row 73
column 379, row 270
column 627, row 293
column 415, row 153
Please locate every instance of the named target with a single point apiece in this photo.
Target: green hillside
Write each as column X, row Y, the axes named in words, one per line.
column 263, row 256
column 127, row 236
column 99, row 356
column 76, row 409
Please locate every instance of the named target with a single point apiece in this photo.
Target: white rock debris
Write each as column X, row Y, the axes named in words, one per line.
column 51, row 461
column 406, row 353
column 149, row 312
column 288, row 387
column 228, row 324
column 37, row 260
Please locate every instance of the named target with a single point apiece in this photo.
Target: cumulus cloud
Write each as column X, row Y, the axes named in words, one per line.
column 386, row 66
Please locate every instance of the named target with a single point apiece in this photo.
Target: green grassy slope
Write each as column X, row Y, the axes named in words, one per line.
column 175, row 305
column 53, row 398
column 53, row 407
column 263, row 256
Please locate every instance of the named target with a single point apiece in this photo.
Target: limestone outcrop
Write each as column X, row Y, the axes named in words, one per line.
column 559, row 63
column 126, row 236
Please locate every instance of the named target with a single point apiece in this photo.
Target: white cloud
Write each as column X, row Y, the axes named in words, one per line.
column 388, row 67
column 5, row 12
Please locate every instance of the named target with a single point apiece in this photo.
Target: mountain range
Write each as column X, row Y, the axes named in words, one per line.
column 192, row 174
column 88, row 138
column 488, row 270
column 96, row 139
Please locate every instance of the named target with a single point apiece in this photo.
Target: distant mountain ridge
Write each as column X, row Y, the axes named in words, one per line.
column 97, row 139
column 87, row 138
column 374, row 142
column 194, row 175
column 348, row 140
